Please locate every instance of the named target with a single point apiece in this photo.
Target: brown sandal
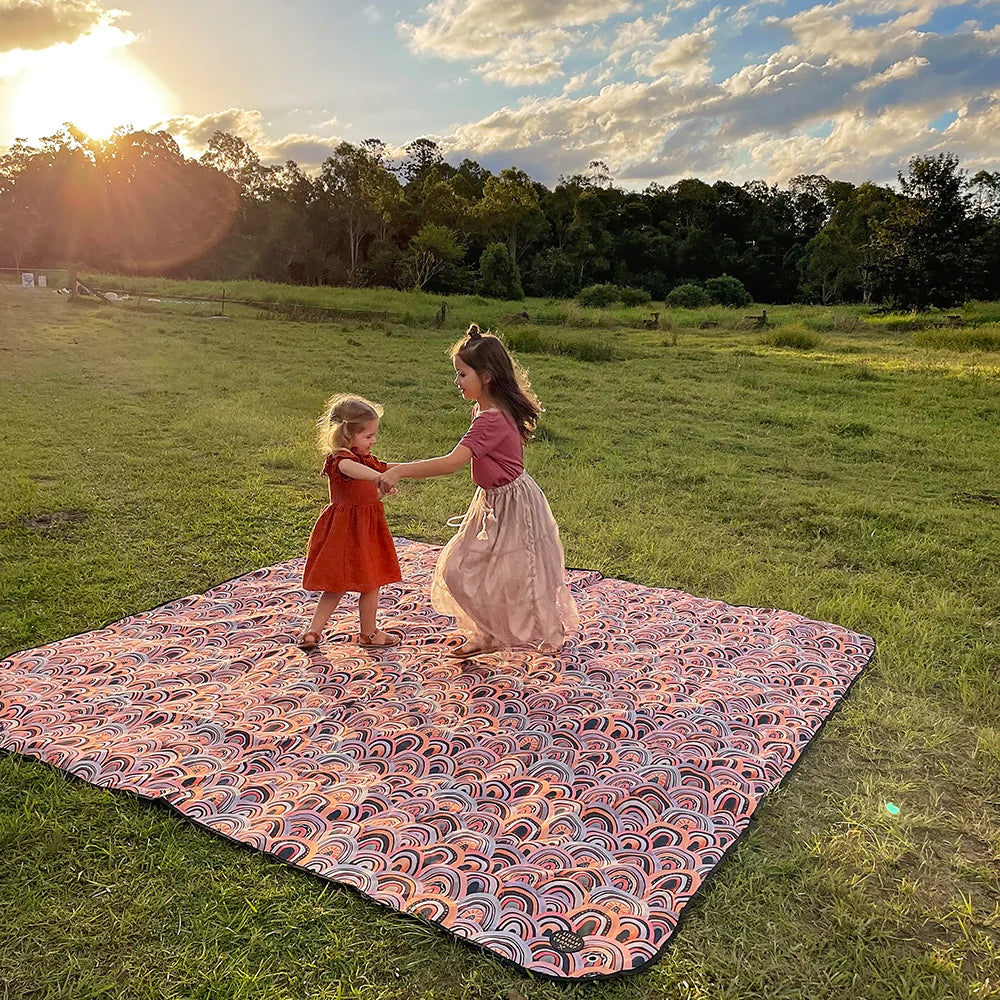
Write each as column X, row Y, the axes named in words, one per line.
column 309, row 640
column 369, row 639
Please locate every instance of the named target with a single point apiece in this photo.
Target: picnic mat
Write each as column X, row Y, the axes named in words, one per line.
column 559, row 810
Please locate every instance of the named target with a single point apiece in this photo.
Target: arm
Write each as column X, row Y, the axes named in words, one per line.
column 355, row 470
column 443, row 465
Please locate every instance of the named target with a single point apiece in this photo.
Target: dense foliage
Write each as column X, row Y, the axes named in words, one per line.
column 135, row 204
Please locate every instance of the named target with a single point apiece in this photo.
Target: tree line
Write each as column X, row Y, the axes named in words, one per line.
column 135, row 204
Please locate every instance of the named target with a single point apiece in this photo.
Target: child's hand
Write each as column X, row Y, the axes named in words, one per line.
column 387, row 483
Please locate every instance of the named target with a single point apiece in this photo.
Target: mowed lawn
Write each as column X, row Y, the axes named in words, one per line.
column 149, row 452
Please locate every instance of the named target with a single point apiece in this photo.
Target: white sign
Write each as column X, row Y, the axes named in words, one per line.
column 27, row 279
column 42, row 281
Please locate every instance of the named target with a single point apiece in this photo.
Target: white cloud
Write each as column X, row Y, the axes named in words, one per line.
column 512, row 36
column 683, row 57
column 92, row 45
column 192, row 132
column 636, row 37
column 37, row 24
column 308, row 150
column 530, row 59
column 577, row 82
column 897, row 71
column 851, row 102
column 520, row 73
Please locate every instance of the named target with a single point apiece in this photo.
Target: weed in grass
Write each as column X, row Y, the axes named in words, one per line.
column 863, row 372
column 794, row 338
column 981, row 339
column 534, row 341
column 854, row 429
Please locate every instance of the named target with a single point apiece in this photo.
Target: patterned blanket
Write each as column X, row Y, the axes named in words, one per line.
column 558, row 810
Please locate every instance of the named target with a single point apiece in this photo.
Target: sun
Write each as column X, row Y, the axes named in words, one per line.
column 94, row 87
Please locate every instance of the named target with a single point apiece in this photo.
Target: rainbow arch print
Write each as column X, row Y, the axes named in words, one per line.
column 559, row 811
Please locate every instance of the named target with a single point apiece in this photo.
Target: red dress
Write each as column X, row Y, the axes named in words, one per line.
column 351, row 547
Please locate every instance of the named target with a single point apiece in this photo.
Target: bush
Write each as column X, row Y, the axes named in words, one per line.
column 634, row 296
column 498, row 274
column 727, row 291
column 597, row 296
column 688, row 297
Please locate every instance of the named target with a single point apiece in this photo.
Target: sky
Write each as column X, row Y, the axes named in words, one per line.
column 767, row 89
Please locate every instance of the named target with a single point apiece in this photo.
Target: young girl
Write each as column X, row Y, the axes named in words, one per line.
column 350, row 548
column 502, row 575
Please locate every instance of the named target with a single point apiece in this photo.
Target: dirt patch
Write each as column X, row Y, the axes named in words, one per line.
column 990, row 498
column 44, row 519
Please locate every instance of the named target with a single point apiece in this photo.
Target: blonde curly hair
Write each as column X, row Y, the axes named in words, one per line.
column 344, row 417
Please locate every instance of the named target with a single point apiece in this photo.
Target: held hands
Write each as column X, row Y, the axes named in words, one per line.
column 387, row 484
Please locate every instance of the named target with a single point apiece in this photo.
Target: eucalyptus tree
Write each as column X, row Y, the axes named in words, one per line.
column 362, row 195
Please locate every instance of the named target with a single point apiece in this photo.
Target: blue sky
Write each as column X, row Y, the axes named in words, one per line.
column 851, row 88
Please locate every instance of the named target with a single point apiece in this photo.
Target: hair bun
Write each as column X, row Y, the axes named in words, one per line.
column 473, row 333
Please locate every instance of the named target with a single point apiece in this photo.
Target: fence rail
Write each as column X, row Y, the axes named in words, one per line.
column 289, row 310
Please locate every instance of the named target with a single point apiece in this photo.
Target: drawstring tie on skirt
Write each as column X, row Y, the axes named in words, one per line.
column 482, row 535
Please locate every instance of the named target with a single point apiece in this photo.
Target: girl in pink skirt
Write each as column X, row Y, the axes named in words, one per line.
column 503, row 574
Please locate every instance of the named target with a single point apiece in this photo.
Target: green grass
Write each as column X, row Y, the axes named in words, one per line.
column 794, row 337
column 149, row 454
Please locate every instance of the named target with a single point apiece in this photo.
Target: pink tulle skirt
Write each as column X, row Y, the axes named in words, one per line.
column 503, row 575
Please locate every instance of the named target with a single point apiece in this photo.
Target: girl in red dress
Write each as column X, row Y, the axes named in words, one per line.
column 351, row 547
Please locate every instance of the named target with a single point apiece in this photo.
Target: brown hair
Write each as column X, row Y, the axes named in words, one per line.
column 506, row 381
column 344, row 416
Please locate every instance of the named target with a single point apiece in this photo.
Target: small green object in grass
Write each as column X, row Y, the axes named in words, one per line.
column 892, row 808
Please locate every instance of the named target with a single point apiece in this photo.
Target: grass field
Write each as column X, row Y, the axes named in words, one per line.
column 840, row 465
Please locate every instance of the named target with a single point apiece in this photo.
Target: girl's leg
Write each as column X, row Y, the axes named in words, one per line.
column 325, row 606
column 370, row 633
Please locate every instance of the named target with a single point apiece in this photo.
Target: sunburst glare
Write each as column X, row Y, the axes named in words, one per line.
column 91, row 83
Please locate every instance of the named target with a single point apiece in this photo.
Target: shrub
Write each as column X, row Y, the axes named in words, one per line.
column 727, row 291
column 688, row 297
column 597, row 296
column 634, row 296
column 498, row 274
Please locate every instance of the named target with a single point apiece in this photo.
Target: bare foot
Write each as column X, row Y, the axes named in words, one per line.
column 471, row 647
